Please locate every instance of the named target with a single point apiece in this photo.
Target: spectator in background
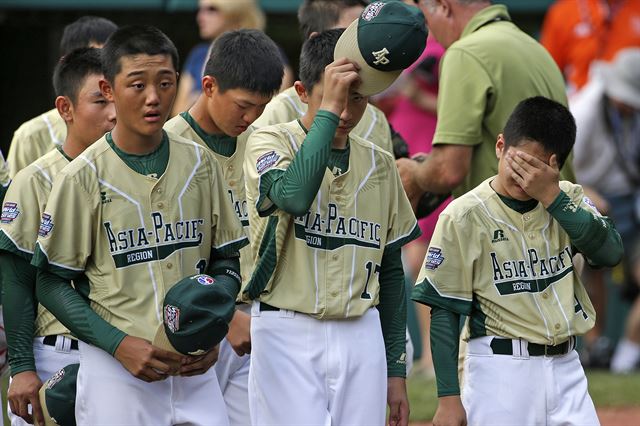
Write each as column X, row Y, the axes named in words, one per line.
column 607, row 160
column 490, row 65
column 576, row 32
column 214, row 17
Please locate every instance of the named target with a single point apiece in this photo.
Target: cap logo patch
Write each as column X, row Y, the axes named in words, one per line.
column 266, row 161
column 172, row 317
column 55, row 378
column 9, row 212
column 381, row 57
column 46, row 225
column 205, row 279
column 372, row 10
column 434, row 258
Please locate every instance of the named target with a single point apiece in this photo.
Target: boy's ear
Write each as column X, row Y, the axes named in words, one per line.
column 209, row 85
column 65, row 108
column 301, row 91
column 500, row 146
column 106, row 89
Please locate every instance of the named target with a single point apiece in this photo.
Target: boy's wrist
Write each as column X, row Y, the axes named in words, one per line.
column 550, row 196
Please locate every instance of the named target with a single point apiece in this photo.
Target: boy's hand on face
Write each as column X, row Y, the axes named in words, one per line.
column 339, row 76
column 535, row 177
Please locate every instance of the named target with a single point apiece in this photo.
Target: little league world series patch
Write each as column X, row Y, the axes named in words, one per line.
column 172, row 317
column 434, row 258
column 266, row 161
column 10, row 212
column 46, row 225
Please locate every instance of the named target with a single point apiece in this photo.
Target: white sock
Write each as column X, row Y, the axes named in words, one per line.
column 626, row 357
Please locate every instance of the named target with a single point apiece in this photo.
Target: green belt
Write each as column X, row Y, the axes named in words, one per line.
column 505, row 347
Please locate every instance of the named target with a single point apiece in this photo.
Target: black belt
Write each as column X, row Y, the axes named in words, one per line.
column 505, row 347
column 266, row 307
column 51, row 340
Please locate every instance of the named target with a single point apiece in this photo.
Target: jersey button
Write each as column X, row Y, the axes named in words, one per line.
column 557, row 326
column 545, row 295
column 169, row 265
column 230, row 168
column 336, row 257
column 526, row 217
column 532, row 236
column 160, row 205
column 232, row 183
column 159, row 191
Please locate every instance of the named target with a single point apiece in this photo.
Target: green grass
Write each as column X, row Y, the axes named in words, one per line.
column 606, row 389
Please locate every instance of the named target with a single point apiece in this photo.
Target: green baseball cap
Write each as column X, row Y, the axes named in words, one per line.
column 58, row 397
column 196, row 316
column 388, row 37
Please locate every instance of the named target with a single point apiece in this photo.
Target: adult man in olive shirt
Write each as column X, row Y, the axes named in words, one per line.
column 490, row 65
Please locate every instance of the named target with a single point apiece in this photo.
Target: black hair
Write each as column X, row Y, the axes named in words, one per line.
column 316, row 54
column 135, row 40
column 246, row 59
column 544, row 121
column 84, row 31
column 72, row 70
column 321, row 15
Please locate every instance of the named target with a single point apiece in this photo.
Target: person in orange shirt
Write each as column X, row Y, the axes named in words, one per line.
column 576, row 32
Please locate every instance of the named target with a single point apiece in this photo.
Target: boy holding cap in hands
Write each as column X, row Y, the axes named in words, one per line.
column 327, row 208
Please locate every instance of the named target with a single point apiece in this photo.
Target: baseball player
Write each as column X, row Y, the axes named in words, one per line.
column 43, row 133
column 502, row 255
column 315, row 17
column 88, row 116
column 328, row 218
column 134, row 214
column 243, row 72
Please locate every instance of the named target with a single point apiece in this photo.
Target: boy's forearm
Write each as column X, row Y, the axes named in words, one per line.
column 296, row 188
column 444, row 349
column 595, row 236
column 393, row 311
column 19, row 310
column 67, row 305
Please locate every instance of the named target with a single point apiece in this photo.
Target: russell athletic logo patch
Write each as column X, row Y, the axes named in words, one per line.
column 434, row 258
column 46, row 225
column 10, row 212
column 266, row 161
column 172, row 318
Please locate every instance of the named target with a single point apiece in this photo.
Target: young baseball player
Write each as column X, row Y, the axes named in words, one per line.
column 243, row 72
column 328, row 219
column 43, row 133
column 134, row 214
column 314, row 17
column 502, row 255
column 38, row 344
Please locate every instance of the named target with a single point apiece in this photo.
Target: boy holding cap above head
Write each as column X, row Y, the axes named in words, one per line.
column 327, row 208
column 137, row 212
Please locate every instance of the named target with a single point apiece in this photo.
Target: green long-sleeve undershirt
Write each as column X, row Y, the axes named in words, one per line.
column 393, row 311
column 73, row 311
column 295, row 189
column 594, row 236
column 20, row 306
column 445, row 335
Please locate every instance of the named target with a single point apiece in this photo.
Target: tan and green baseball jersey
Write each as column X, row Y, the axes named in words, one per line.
column 135, row 236
column 35, row 138
column 233, row 175
column 287, row 106
column 24, row 203
column 325, row 262
column 512, row 273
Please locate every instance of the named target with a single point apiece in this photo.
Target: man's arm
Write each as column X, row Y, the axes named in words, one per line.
column 443, row 169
